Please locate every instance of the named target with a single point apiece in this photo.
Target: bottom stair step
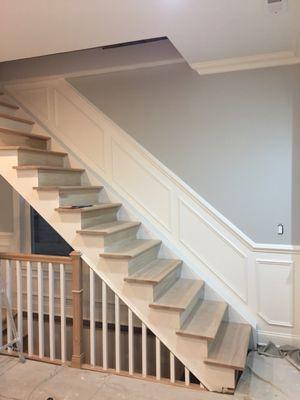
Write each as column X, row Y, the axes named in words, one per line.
column 205, row 321
column 230, row 347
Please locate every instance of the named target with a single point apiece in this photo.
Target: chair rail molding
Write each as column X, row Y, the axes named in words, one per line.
column 232, row 264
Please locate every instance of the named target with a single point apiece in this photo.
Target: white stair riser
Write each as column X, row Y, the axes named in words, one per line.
column 173, row 318
column 59, row 178
column 103, row 241
column 15, row 125
column 8, row 139
column 79, row 198
column 7, row 110
column 97, row 217
column 166, row 283
column 34, row 158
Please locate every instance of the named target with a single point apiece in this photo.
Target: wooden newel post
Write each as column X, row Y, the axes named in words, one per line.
column 77, row 300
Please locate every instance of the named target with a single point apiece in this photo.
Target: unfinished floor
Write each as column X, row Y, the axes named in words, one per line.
column 264, row 379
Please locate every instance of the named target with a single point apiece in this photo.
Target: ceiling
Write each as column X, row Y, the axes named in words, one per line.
column 212, row 35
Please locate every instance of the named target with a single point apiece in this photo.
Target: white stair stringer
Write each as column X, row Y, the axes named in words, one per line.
column 191, row 351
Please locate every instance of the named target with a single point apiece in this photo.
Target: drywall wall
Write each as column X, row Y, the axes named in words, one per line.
column 6, row 209
column 228, row 136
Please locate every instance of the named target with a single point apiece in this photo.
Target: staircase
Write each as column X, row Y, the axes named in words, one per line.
column 196, row 329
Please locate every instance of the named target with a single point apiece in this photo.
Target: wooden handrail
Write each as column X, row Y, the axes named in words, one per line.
column 36, row 258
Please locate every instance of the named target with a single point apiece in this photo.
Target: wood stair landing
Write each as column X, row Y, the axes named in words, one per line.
column 230, row 347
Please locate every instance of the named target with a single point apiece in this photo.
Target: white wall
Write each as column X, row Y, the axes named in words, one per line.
column 228, row 136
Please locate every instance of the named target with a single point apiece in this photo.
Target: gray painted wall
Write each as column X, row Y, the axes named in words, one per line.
column 229, row 136
column 6, row 209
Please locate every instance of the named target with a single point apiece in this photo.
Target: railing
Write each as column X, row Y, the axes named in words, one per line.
column 65, row 313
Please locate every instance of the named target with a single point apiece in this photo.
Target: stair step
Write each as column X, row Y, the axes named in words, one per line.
column 108, row 228
column 154, row 272
column 25, row 134
column 82, row 210
column 17, row 119
column 205, row 321
column 68, row 188
column 8, row 105
column 33, row 150
column 179, row 296
column 130, row 250
column 229, row 348
column 47, row 168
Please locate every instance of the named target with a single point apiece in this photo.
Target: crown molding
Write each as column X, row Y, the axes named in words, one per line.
column 266, row 60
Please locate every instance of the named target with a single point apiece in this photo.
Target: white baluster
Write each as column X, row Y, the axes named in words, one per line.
column 144, row 350
column 130, row 343
column 63, row 326
column 20, row 303
column 172, row 368
column 51, row 312
column 29, row 309
column 104, row 324
column 9, row 298
column 41, row 309
column 157, row 358
column 186, row 376
column 1, row 296
column 117, row 332
column 92, row 319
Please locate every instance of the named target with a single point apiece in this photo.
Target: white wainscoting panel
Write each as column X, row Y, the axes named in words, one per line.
column 275, row 291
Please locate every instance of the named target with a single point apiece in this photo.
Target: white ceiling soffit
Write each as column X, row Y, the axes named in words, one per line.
column 212, row 35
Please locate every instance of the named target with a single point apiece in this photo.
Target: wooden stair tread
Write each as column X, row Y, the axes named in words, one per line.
column 27, row 134
column 101, row 206
column 229, row 348
column 108, row 228
column 47, row 167
column 8, row 105
column 17, row 119
column 33, row 150
column 179, row 295
column 67, row 188
column 154, row 272
column 131, row 249
column 205, row 321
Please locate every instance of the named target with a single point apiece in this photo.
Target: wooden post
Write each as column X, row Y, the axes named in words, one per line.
column 77, row 296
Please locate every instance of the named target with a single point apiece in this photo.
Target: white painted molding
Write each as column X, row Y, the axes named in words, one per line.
column 6, row 239
column 245, row 63
column 215, row 249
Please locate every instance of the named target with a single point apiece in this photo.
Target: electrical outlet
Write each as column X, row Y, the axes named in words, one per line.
column 280, row 229
column 276, row 7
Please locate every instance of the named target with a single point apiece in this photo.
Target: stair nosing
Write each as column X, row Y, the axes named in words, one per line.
column 125, row 256
column 144, row 281
column 47, row 168
column 17, row 119
column 67, row 188
column 8, row 105
column 34, row 150
column 171, row 307
column 91, row 232
column 96, row 207
column 28, row 134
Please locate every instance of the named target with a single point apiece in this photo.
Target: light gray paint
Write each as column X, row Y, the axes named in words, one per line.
column 228, row 136
column 6, row 209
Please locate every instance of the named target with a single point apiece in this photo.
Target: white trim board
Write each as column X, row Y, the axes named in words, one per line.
column 212, row 247
column 266, row 60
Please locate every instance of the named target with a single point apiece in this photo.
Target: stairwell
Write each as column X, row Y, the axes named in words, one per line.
column 196, row 329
